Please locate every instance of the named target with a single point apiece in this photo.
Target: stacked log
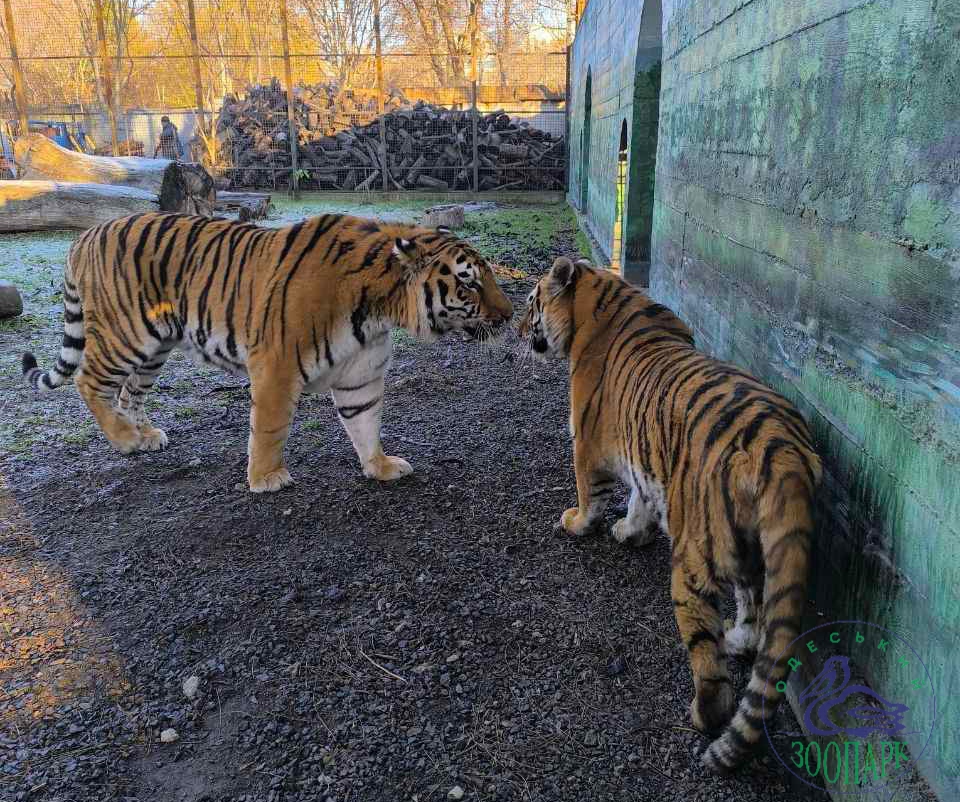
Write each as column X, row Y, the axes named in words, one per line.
column 339, row 145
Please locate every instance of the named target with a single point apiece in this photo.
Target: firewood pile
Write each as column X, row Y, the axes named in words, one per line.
column 427, row 146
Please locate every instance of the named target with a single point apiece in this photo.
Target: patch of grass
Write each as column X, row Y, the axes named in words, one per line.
column 17, row 439
column 402, row 340
column 286, row 210
column 186, row 412
column 313, row 425
column 21, row 323
column 78, row 437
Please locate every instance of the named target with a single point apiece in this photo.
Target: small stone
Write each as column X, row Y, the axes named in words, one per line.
column 190, row 687
column 287, row 511
column 615, row 666
column 591, row 738
column 194, row 463
column 455, row 793
column 11, row 304
column 169, row 736
column 453, row 657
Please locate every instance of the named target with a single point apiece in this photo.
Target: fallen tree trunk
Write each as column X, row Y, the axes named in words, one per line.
column 181, row 186
column 46, row 205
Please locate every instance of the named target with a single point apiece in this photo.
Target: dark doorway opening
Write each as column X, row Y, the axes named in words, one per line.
column 616, row 249
column 643, row 147
column 585, row 144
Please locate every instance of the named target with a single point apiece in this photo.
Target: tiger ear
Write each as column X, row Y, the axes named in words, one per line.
column 563, row 274
column 583, row 262
column 407, row 253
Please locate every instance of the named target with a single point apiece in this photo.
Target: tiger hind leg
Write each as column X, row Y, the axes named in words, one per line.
column 744, row 636
column 701, row 628
column 118, row 428
column 130, row 401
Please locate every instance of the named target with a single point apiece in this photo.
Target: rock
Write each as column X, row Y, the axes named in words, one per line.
column 591, row 738
column 615, row 666
column 11, row 304
column 194, row 463
column 453, row 657
column 190, row 687
column 455, row 793
column 169, row 736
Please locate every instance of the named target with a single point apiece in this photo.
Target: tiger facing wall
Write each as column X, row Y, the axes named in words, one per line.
column 711, row 456
column 307, row 308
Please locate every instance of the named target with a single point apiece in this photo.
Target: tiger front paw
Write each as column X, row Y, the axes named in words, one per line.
column 270, row 482
column 573, row 523
column 387, row 469
column 152, row 439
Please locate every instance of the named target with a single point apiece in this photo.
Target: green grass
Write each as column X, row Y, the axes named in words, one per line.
column 21, row 323
column 186, row 412
column 402, row 340
column 78, row 437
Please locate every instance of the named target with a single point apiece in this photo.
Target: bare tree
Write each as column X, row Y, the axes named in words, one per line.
column 341, row 28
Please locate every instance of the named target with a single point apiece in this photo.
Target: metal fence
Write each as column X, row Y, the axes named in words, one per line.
column 251, row 96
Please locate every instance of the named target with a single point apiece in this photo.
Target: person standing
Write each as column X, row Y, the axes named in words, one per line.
column 169, row 146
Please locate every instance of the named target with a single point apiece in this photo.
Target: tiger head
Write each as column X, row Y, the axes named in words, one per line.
column 450, row 286
column 548, row 321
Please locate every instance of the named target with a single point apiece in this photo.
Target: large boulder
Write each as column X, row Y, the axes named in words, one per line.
column 11, row 304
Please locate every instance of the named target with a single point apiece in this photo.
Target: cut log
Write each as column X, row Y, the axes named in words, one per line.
column 246, row 205
column 447, row 216
column 181, row 186
column 48, row 205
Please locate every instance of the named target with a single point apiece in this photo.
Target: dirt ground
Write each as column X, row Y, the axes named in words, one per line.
column 352, row 641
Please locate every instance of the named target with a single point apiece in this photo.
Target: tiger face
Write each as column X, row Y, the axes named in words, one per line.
column 548, row 321
column 453, row 288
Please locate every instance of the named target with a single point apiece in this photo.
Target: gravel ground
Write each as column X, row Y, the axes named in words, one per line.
column 352, row 641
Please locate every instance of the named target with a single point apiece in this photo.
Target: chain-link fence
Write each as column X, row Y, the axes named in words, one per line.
column 99, row 76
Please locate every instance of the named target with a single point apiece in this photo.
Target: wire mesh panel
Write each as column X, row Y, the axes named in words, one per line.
column 252, row 91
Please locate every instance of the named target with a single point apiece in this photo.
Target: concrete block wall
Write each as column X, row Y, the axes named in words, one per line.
column 806, row 223
column 616, row 56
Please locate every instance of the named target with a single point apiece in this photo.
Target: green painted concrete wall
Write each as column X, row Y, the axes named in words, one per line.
column 807, row 225
column 617, row 56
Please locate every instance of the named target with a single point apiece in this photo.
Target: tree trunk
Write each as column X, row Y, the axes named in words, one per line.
column 181, row 187
column 45, row 205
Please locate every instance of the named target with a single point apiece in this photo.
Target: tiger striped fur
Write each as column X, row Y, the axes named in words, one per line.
column 710, row 455
column 308, row 308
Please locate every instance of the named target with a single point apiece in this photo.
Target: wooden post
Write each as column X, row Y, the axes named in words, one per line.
column 475, row 75
column 291, row 117
column 206, row 135
column 105, row 75
column 19, row 93
column 476, row 144
column 380, row 109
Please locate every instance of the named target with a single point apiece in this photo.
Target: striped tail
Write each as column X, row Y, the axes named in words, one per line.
column 71, row 351
column 785, row 540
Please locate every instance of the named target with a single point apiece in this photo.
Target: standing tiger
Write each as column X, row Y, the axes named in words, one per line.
column 710, row 455
column 308, row 308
